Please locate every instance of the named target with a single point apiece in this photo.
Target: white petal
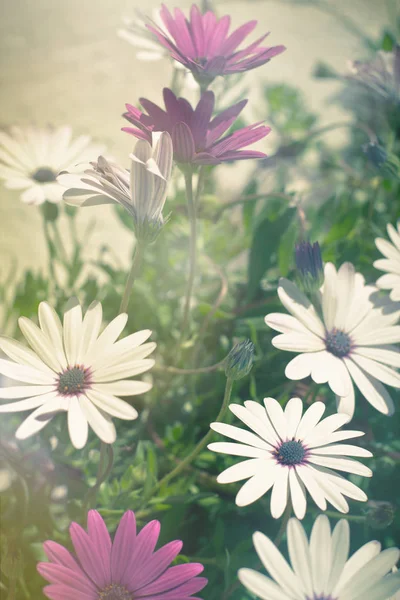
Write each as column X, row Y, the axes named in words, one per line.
column 77, row 423
column 254, row 416
column 24, row 391
column 258, row 485
column 297, row 494
column 240, row 435
column 320, row 552
column 300, row 307
column 124, row 387
column 345, row 292
column 311, row 417
column 297, row 342
column 262, row 586
column 90, row 330
column 293, row 412
column 331, row 369
column 237, row 450
column 370, row 573
column 330, row 491
column 388, row 281
column 346, row 404
column 300, row 554
column 387, row 249
column 384, row 589
column 240, row 471
column 300, row 366
column 376, row 337
column 33, row 195
column 321, row 432
column 347, row 488
column 340, row 551
column 279, row 496
column 112, row 405
column 107, row 338
column 329, row 295
column 276, row 416
column 345, row 434
column 24, row 356
column 113, row 357
column 33, row 425
column 40, row 343
column 394, row 235
column 72, row 331
column 120, row 371
column 29, row 403
column 306, row 474
column 25, row 373
column 371, row 389
column 377, row 370
column 285, row 323
column 103, row 427
column 51, row 326
column 339, row 449
column 276, row 565
column 360, row 558
column 341, row 464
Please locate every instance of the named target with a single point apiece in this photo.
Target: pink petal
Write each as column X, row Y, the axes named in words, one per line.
column 158, row 116
column 215, row 66
column 141, row 135
column 87, row 554
column 62, row 592
column 197, row 30
column 100, row 537
column 60, row 555
column 182, row 35
column 145, row 543
column 182, row 592
column 218, row 37
column 237, row 37
column 172, row 578
column 183, row 143
column 155, row 566
column 241, row 155
column 201, row 119
column 73, row 579
column 123, row 546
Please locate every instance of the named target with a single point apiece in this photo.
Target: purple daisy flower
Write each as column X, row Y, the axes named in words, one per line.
column 203, row 44
column 196, row 136
column 121, row 570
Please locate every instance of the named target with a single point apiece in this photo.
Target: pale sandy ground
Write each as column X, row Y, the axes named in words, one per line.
column 62, row 62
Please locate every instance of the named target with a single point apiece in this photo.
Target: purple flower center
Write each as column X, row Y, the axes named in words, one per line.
column 115, row 591
column 74, row 380
column 323, row 597
column 338, row 343
column 290, row 453
column 44, row 175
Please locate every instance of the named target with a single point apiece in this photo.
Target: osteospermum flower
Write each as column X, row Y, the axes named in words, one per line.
column 31, row 158
column 124, row 569
column 347, row 340
column 204, row 46
column 321, row 568
column 291, row 454
column 136, row 33
column 142, row 192
column 381, row 75
column 391, row 262
column 74, row 368
column 196, row 137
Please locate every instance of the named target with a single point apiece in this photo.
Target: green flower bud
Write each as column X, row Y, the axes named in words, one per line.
column 379, row 514
column 310, row 271
column 239, row 361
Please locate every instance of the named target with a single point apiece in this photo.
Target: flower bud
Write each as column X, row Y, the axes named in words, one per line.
column 239, row 361
column 385, row 162
column 379, row 514
column 309, row 267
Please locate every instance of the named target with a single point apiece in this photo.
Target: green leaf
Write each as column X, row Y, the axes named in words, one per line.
column 263, row 251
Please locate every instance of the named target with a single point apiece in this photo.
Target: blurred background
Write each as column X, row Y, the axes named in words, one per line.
column 63, row 63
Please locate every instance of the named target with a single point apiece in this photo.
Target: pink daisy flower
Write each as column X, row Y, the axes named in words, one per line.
column 196, row 136
column 203, row 44
column 125, row 569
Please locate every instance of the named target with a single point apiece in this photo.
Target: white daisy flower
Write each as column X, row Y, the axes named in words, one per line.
column 391, row 262
column 74, row 368
column 142, row 191
column 136, row 33
column 32, row 157
column 321, row 568
column 349, row 339
column 291, row 454
column 381, row 75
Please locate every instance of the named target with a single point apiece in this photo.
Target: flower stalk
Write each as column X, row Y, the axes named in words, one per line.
column 133, row 273
column 192, row 250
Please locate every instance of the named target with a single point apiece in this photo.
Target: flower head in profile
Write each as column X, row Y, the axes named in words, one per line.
column 142, row 192
column 126, row 568
column 347, row 339
column 135, row 32
column 204, row 45
column 381, row 75
column 291, row 453
column 321, row 568
column 196, row 136
column 31, row 158
column 391, row 262
column 73, row 368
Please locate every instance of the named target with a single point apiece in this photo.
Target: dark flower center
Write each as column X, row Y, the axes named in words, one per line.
column 290, row 453
column 338, row 343
column 74, row 380
column 44, row 175
column 115, row 591
column 323, row 597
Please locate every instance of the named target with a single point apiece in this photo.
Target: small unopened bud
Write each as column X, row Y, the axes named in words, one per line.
column 309, row 266
column 385, row 162
column 239, row 361
column 379, row 513
column 49, row 211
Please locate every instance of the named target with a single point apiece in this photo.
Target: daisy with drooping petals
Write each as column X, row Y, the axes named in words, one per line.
column 31, row 158
column 136, row 33
column 127, row 568
column 291, row 453
column 381, row 75
column 391, row 262
column 142, row 191
column 349, row 339
column 321, row 568
column 74, row 368
column 196, row 136
column 203, row 44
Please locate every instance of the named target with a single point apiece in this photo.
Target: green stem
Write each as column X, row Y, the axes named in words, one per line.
column 203, row 442
column 102, row 474
column 59, row 244
column 134, row 272
column 285, row 520
column 51, row 252
column 337, row 515
column 192, row 251
column 176, row 371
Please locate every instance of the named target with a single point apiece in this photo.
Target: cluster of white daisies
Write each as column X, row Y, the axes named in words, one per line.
column 343, row 333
